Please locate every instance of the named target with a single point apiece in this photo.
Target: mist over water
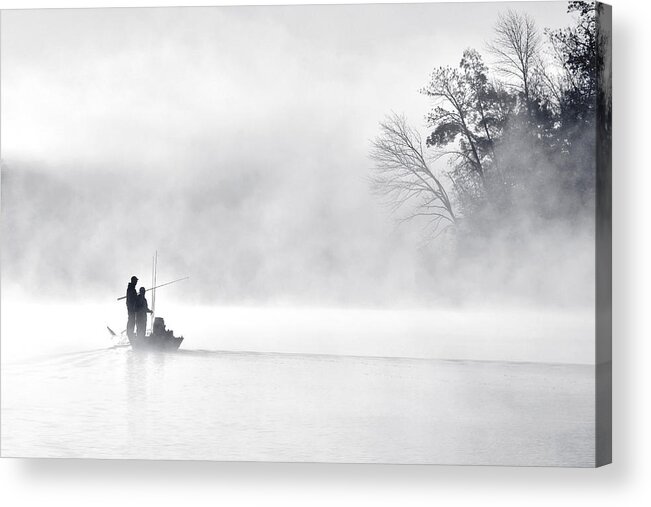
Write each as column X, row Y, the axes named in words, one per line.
column 549, row 336
column 249, row 240
column 252, row 178
column 316, row 327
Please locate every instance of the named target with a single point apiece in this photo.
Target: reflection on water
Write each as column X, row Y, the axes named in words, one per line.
column 118, row 403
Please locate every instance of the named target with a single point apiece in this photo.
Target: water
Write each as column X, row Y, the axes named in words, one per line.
column 118, row 403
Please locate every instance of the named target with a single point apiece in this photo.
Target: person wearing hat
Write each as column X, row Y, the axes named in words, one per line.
column 142, row 309
column 132, row 297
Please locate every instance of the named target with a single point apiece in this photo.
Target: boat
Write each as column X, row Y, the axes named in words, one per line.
column 159, row 338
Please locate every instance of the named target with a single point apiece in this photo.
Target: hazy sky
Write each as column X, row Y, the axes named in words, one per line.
column 153, row 89
column 234, row 140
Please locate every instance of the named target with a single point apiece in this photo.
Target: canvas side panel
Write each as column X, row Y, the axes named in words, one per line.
column 603, row 346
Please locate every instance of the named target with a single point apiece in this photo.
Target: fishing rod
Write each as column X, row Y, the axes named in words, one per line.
column 162, row 285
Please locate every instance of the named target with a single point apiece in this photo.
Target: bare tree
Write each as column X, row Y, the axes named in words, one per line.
column 450, row 118
column 551, row 76
column 515, row 47
column 403, row 175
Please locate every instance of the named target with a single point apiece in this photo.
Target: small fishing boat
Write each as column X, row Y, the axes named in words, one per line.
column 159, row 338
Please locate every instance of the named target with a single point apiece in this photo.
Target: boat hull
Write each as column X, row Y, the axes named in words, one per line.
column 156, row 342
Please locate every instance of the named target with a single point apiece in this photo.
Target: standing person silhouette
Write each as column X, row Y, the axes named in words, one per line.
column 132, row 297
column 142, row 309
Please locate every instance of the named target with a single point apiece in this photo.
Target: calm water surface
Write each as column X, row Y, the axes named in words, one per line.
column 117, row 403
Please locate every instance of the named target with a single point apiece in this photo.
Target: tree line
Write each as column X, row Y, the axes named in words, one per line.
column 519, row 137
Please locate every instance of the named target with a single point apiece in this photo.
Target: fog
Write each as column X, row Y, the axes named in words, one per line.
column 35, row 330
column 242, row 160
column 235, row 142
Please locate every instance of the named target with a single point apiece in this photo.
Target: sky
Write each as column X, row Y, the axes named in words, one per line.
column 147, row 89
column 232, row 140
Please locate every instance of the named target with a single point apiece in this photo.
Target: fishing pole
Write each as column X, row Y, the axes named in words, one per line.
column 158, row 286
